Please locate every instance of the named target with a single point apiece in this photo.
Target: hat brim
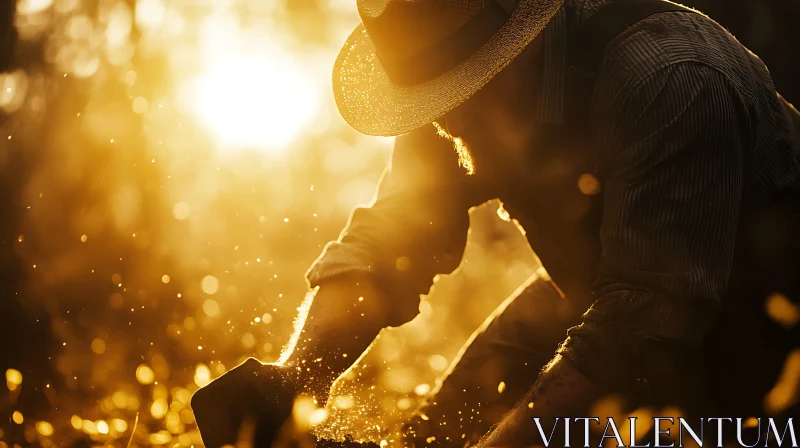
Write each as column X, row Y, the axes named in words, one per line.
column 373, row 105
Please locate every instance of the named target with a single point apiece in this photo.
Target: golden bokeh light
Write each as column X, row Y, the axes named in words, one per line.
column 248, row 340
column 98, row 346
column 588, row 184
column 786, row 391
column 181, row 211
column 13, row 377
column 89, row 427
column 438, row 362
column 76, row 422
column 210, row 284
column 119, row 425
column 782, row 310
column 159, row 408
column 202, row 375
column 28, row 7
column 160, row 438
column 144, row 374
column 211, row 307
column 140, row 105
column 307, row 413
column 422, row 389
column 102, row 427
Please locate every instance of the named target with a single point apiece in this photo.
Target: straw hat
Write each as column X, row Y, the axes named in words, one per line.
column 411, row 61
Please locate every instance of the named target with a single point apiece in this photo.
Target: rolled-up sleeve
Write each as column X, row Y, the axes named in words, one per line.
column 676, row 170
column 415, row 227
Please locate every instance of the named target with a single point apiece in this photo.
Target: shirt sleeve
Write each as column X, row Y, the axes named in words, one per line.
column 675, row 172
column 415, row 227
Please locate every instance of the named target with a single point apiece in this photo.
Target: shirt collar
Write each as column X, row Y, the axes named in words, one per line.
column 550, row 106
column 552, row 69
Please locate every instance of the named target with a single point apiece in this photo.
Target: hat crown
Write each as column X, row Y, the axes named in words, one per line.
column 448, row 50
column 399, row 29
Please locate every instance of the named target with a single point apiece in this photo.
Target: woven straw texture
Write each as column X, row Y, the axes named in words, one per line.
column 373, row 105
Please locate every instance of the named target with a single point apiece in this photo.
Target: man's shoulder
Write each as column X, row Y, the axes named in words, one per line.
column 672, row 38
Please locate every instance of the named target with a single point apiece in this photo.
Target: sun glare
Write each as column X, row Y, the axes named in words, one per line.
column 255, row 103
column 251, row 93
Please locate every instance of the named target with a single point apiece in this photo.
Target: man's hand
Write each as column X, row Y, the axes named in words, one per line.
column 560, row 391
column 255, row 394
column 345, row 316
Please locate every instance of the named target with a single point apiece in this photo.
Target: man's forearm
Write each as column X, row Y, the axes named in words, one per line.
column 346, row 314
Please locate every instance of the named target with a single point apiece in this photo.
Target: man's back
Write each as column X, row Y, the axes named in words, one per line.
column 682, row 86
column 663, row 41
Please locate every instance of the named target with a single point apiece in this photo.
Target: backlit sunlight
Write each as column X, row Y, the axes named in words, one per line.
column 251, row 94
column 254, row 103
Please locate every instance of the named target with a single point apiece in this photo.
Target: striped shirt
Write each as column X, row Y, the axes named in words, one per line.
column 687, row 135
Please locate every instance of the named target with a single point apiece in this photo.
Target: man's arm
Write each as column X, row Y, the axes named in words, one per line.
column 673, row 194
column 370, row 278
column 388, row 254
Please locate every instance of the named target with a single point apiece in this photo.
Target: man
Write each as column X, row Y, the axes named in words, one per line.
column 663, row 205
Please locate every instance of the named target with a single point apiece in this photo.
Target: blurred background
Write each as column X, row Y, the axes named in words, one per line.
column 168, row 171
